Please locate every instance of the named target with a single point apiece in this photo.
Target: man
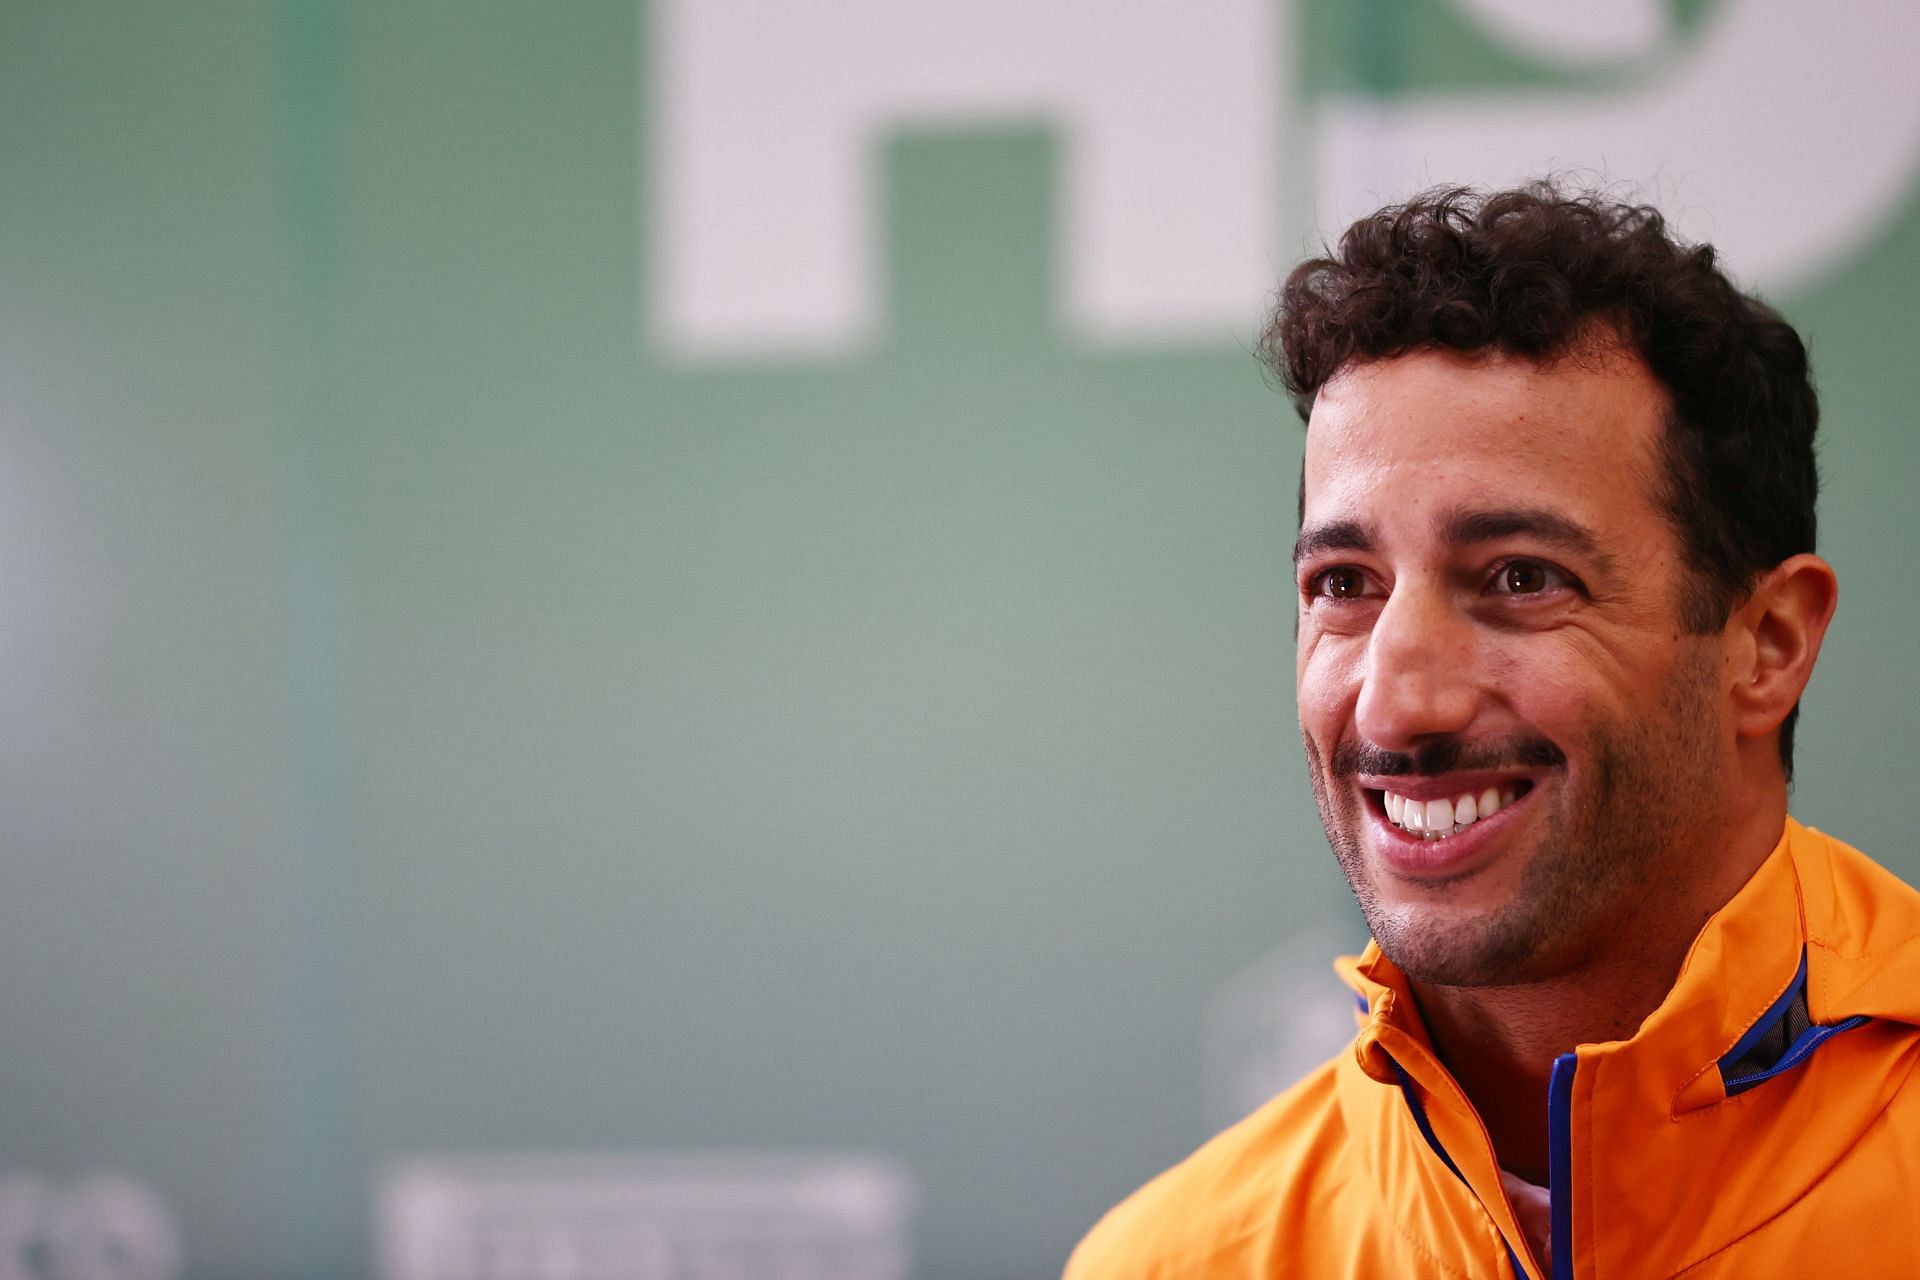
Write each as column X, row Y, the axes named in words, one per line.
column 1558, row 600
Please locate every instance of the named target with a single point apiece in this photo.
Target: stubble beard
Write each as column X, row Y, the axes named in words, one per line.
column 1608, row 846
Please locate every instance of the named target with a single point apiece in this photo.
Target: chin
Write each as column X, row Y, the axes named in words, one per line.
column 1489, row 947
column 1452, row 956
column 1473, row 931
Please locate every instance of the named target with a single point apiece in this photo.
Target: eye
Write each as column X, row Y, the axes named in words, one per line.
column 1343, row 582
column 1528, row 578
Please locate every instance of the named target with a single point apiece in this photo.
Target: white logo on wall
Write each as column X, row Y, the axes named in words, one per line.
column 1575, row 34
column 109, row 1227
column 770, row 113
column 1785, row 132
column 772, row 1216
column 1786, row 135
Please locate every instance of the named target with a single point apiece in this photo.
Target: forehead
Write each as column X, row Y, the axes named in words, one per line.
column 1417, row 435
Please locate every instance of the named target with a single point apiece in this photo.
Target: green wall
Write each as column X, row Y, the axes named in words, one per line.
column 432, row 718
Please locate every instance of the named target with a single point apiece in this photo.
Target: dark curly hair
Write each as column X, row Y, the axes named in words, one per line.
column 1535, row 272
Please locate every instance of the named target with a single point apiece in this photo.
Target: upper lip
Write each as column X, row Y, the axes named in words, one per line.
column 1444, row 786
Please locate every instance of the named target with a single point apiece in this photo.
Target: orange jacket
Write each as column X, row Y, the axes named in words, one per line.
column 1759, row 1124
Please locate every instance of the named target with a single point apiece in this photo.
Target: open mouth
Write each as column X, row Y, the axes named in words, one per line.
column 1445, row 817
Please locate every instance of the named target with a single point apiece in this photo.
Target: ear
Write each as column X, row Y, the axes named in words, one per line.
column 1774, row 640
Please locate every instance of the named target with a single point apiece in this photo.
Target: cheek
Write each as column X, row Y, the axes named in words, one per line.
column 1327, row 685
column 1549, row 686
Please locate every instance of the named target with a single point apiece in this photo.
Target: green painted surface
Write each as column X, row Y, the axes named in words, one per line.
column 433, row 721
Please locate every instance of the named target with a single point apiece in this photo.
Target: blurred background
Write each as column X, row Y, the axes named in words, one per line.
column 653, row 638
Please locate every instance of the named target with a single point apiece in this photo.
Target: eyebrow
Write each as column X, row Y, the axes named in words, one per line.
column 1341, row 535
column 1465, row 528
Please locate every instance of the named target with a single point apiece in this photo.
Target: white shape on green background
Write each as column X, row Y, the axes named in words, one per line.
column 1785, row 133
column 769, row 117
column 646, row 1216
column 1575, row 33
column 1786, row 136
column 109, row 1226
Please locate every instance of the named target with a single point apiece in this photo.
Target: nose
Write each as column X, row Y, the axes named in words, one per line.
column 1420, row 680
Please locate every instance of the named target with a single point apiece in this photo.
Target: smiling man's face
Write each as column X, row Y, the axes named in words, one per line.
column 1515, row 746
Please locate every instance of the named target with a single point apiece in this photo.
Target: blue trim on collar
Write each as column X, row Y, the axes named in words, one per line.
column 1771, row 1018
column 1426, row 1131
column 1420, row 1118
column 1560, row 1163
column 1797, row 1052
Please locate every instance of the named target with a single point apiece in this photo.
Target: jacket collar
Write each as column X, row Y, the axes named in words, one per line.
column 1857, row 926
column 1658, row 1097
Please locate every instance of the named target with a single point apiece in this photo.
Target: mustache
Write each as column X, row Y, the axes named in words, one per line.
column 1447, row 755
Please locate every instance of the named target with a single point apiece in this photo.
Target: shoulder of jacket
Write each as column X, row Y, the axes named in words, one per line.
column 1863, row 926
column 1185, row 1223
column 1854, row 905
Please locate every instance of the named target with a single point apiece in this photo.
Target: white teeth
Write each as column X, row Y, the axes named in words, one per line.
column 1438, row 819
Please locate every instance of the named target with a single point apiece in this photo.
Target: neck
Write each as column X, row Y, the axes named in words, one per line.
column 1500, row 1042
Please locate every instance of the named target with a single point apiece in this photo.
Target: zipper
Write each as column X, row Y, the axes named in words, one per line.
column 1560, row 1164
